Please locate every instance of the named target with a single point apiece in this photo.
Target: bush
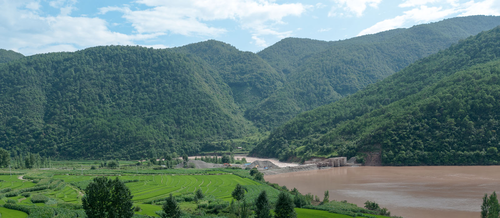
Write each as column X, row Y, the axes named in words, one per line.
column 137, row 208
column 39, row 199
column 371, row 205
column 26, row 194
column 11, row 201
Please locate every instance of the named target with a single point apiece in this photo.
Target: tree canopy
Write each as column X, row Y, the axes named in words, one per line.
column 106, row 198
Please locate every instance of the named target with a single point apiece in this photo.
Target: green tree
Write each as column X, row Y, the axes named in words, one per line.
column 121, row 200
column 253, row 171
column 326, row 199
column 4, row 158
column 225, row 159
column 238, row 192
column 494, row 208
column 113, row 164
column 300, row 200
column 259, row 176
column 245, row 210
column 171, row 208
column 262, row 206
column 485, row 207
column 371, row 205
column 284, row 207
column 199, row 194
column 105, row 198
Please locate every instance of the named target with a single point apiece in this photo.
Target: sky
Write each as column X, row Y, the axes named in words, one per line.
column 42, row 26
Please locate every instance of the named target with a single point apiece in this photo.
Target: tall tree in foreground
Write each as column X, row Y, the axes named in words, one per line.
column 262, row 207
column 105, row 198
column 485, row 207
column 171, row 208
column 494, row 209
column 284, row 207
column 490, row 207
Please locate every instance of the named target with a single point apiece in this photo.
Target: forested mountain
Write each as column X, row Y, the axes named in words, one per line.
column 251, row 79
column 133, row 102
column 9, row 55
column 114, row 101
column 442, row 109
column 327, row 72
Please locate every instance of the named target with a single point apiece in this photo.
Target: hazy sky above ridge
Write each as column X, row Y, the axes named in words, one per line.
column 40, row 26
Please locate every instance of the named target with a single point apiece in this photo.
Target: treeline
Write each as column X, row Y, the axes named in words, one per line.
column 438, row 111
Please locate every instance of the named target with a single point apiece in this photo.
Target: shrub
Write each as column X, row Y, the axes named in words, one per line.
column 371, row 205
column 137, row 208
column 39, row 199
column 26, row 194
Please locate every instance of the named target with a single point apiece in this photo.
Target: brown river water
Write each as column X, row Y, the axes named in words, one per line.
column 411, row 192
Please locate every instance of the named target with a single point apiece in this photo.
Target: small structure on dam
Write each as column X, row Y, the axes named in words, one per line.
column 330, row 162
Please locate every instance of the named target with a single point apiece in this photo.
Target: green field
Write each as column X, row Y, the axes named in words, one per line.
column 151, row 187
column 307, row 213
column 12, row 213
column 64, row 189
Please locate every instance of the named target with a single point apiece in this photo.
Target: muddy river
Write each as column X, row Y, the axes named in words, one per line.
column 411, row 192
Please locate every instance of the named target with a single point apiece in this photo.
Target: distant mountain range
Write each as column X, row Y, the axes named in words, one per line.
column 134, row 102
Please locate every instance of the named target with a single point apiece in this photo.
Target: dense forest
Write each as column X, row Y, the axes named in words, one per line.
column 132, row 102
column 250, row 78
column 8, row 55
column 442, row 109
column 116, row 101
column 341, row 68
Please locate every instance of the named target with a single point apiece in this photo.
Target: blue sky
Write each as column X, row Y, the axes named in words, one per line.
column 41, row 26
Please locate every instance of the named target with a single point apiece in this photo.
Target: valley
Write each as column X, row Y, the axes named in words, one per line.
column 415, row 110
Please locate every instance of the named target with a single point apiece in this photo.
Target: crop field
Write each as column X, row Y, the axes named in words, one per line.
column 152, row 187
column 65, row 187
column 52, row 193
column 306, row 213
column 12, row 213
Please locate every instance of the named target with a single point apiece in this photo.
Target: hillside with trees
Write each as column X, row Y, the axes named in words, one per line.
column 133, row 102
column 250, row 78
column 9, row 55
column 327, row 72
column 441, row 110
column 114, row 101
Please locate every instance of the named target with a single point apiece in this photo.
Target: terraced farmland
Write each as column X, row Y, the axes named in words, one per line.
column 152, row 187
column 63, row 191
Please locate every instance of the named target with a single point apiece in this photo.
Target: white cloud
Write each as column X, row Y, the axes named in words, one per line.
column 420, row 12
column 413, row 3
column 190, row 17
column 324, row 30
column 65, row 6
column 35, row 6
column 155, row 46
column 320, row 5
column 258, row 41
column 27, row 32
column 356, row 7
column 420, row 15
column 487, row 7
